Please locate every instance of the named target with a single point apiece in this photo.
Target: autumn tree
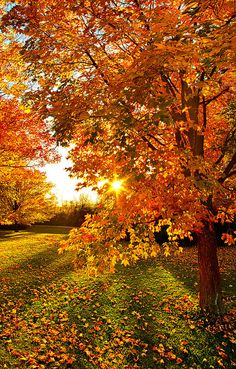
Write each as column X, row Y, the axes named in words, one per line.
column 25, row 142
column 142, row 89
column 25, row 197
column 25, row 138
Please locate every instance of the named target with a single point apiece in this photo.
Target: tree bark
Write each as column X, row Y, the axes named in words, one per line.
column 210, row 286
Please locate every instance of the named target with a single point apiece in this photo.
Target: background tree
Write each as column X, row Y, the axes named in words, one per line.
column 25, row 142
column 141, row 88
column 73, row 213
column 25, row 138
column 25, row 197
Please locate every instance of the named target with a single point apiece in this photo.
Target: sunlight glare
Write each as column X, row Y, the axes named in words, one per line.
column 65, row 186
column 117, row 185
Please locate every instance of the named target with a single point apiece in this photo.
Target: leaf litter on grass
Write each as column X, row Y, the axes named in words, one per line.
column 144, row 316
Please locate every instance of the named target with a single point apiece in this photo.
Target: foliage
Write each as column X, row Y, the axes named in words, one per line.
column 25, row 139
column 167, row 82
column 25, row 197
column 143, row 90
column 142, row 317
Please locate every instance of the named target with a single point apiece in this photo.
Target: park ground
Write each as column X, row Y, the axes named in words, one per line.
column 144, row 316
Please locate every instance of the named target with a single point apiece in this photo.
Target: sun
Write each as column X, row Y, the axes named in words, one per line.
column 117, row 185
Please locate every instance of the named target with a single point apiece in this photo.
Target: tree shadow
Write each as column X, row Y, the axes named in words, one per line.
column 5, row 235
column 49, row 229
column 138, row 322
column 184, row 272
column 125, row 313
column 19, row 280
column 158, row 318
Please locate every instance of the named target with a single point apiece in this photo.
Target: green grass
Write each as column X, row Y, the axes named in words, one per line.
column 144, row 316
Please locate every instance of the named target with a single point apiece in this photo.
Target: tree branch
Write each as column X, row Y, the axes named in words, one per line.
column 16, row 166
column 227, row 172
column 213, row 71
column 204, row 112
column 156, row 139
column 150, row 145
column 229, row 137
column 94, row 63
column 215, row 97
column 220, row 158
column 169, row 84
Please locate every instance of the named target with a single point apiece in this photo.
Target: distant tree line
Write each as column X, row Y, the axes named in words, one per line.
column 73, row 213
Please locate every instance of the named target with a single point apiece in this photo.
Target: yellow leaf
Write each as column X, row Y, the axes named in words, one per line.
column 125, row 261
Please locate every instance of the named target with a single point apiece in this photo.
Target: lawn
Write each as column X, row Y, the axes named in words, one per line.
column 144, row 316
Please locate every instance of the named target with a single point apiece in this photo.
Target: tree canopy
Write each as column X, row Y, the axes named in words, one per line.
column 144, row 90
column 25, row 197
column 25, row 139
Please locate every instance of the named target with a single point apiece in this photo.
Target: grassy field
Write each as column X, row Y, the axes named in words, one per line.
column 144, row 316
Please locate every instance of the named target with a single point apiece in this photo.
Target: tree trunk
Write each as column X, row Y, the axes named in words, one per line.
column 210, row 287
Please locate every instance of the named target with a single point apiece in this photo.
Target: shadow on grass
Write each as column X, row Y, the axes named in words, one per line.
column 5, row 235
column 35, row 229
column 187, row 275
column 130, row 316
column 125, row 322
column 49, row 229
column 139, row 321
column 19, row 280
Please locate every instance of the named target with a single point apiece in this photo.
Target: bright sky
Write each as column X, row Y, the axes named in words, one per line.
column 64, row 185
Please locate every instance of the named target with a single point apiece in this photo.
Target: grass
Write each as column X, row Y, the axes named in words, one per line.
column 144, row 316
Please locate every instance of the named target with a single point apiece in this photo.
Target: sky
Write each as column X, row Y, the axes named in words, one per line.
column 64, row 185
